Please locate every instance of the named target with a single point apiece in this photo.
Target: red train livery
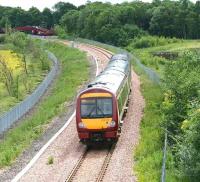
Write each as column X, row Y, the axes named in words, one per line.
column 100, row 108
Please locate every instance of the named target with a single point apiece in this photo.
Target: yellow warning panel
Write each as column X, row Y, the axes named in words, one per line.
column 96, row 123
column 89, row 95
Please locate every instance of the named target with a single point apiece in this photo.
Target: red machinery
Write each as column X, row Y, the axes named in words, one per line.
column 35, row 30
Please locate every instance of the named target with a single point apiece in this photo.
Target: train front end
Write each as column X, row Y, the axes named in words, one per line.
column 97, row 116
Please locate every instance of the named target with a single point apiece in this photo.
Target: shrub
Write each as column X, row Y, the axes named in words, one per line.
column 2, row 39
column 181, row 109
column 151, row 41
column 60, row 32
column 50, row 160
column 188, row 150
column 182, row 85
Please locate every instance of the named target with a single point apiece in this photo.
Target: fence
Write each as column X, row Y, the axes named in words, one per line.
column 148, row 71
column 163, row 174
column 9, row 118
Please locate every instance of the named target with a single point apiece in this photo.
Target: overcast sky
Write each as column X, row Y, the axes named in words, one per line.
column 41, row 4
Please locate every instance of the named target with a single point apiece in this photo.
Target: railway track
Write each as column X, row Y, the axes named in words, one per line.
column 105, row 52
column 83, row 159
column 110, row 150
column 105, row 164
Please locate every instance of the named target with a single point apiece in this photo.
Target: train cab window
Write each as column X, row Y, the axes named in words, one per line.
column 96, row 107
column 88, row 108
column 104, row 106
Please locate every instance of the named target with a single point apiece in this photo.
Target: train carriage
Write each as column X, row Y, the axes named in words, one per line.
column 100, row 107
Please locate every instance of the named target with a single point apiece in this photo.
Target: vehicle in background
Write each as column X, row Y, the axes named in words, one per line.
column 35, row 30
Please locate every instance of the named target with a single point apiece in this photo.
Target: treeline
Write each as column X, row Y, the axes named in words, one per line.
column 114, row 24
column 33, row 17
column 119, row 24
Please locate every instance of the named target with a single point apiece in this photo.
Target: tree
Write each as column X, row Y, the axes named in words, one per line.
column 163, row 21
column 61, row 8
column 69, row 21
column 47, row 18
column 35, row 16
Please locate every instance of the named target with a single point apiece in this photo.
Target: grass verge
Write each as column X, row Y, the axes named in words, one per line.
column 148, row 154
column 64, row 89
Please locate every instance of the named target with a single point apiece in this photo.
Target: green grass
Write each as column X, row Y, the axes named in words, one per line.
column 158, row 63
column 64, row 89
column 148, row 154
column 50, row 160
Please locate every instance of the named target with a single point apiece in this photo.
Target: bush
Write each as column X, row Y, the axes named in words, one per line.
column 60, row 32
column 188, row 150
column 2, row 39
column 181, row 109
column 182, row 85
column 151, row 41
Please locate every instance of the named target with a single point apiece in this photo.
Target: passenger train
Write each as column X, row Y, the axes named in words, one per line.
column 100, row 107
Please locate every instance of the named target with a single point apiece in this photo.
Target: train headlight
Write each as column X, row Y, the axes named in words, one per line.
column 81, row 125
column 112, row 124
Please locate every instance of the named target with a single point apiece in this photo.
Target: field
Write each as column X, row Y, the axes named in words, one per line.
column 64, row 89
column 157, row 63
column 20, row 70
column 13, row 63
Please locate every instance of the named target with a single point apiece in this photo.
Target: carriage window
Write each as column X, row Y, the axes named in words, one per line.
column 96, row 107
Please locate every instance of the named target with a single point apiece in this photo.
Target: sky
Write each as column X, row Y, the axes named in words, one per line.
column 41, row 4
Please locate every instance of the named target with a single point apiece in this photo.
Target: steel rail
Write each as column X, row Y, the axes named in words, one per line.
column 83, row 157
column 105, row 164
column 77, row 166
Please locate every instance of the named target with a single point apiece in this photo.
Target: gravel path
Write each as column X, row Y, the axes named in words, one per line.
column 121, row 165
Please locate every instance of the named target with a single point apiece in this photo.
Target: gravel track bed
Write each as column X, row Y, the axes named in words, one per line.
column 101, row 58
column 121, row 164
column 65, row 150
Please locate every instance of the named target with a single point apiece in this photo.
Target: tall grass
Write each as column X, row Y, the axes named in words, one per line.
column 151, row 41
column 74, row 71
column 148, row 154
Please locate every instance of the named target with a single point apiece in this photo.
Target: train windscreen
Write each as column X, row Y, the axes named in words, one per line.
column 96, row 107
